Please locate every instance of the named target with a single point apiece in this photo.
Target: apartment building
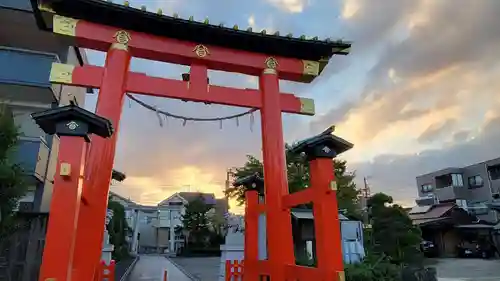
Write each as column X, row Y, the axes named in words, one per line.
column 154, row 227
column 26, row 56
column 470, row 187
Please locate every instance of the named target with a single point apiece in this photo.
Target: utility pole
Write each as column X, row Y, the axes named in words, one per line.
column 365, row 195
column 229, row 172
column 366, row 190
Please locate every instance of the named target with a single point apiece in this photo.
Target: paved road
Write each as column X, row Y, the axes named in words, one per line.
column 151, row 268
column 203, row 269
column 467, row 269
column 207, row 269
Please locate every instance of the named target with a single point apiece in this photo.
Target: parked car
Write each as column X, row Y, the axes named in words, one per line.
column 429, row 249
column 475, row 250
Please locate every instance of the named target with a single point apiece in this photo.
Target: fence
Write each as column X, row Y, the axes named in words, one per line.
column 107, row 271
column 235, row 270
column 21, row 252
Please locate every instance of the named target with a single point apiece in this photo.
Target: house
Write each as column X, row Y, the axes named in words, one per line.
column 474, row 186
column 452, row 205
column 446, row 225
column 26, row 56
column 154, row 227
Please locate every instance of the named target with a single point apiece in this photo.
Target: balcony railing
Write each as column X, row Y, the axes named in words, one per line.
column 448, row 193
column 33, row 155
column 19, row 67
column 166, row 222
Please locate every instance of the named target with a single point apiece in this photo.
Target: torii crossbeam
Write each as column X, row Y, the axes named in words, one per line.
column 123, row 32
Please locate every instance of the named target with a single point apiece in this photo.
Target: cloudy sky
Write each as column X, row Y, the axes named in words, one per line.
column 417, row 93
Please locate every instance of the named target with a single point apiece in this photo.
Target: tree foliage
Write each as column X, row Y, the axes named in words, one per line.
column 12, row 180
column 118, row 230
column 196, row 222
column 392, row 245
column 373, row 268
column 393, row 234
column 298, row 179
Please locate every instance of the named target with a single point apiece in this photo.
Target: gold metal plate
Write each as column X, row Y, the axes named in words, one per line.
column 119, row 46
column 307, row 106
column 311, row 68
column 341, row 275
column 201, row 51
column 346, row 51
column 63, row 25
column 270, row 71
column 45, row 8
column 65, row 170
column 333, row 185
column 122, row 37
column 61, row 73
column 271, row 63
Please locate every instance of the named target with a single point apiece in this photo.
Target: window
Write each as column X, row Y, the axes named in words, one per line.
column 457, row 180
column 475, row 181
column 426, row 188
column 494, row 172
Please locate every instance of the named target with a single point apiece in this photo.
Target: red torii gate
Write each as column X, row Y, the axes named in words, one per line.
column 123, row 32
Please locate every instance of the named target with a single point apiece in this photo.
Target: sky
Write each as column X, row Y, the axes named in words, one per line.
column 417, row 93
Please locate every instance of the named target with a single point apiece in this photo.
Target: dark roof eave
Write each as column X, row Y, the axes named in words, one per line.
column 120, row 16
column 118, row 176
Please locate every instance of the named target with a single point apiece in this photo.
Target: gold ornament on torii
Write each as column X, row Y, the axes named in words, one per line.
column 201, row 51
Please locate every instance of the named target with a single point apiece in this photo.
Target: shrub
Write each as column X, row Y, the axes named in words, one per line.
column 373, row 269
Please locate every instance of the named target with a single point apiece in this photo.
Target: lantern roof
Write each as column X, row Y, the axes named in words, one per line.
column 204, row 32
column 326, row 139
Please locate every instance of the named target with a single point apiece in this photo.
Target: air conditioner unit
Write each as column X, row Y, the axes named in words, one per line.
column 428, row 199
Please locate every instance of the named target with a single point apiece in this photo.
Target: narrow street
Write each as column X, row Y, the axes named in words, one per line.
column 152, row 268
column 467, row 269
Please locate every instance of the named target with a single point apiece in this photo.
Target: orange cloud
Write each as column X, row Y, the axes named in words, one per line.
column 350, row 8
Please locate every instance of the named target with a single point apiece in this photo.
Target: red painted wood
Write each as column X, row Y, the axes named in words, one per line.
column 140, row 83
column 304, row 273
column 100, row 37
column 100, row 165
column 251, row 235
column 198, row 83
column 261, row 208
column 326, row 218
column 59, row 246
column 300, row 197
column 278, row 220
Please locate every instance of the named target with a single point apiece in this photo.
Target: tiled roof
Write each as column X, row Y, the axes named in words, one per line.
column 435, row 213
column 208, row 198
column 140, row 20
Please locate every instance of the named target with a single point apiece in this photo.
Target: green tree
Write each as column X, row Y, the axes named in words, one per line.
column 393, row 234
column 196, row 222
column 118, row 230
column 12, row 179
column 298, row 179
